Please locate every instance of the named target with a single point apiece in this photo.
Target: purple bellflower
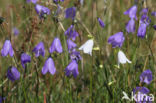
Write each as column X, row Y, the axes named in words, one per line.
column 70, row 12
column 139, row 95
column 25, row 58
column 101, row 23
column 39, row 49
column 56, row 46
column 144, row 11
column 72, row 68
column 7, row 49
column 42, row 11
column 146, row 76
column 116, row 40
column 49, row 66
column 142, row 30
column 13, row 74
column 15, row 31
column 130, row 27
column 71, row 33
column 132, row 12
column 71, row 45
column 75, row 55
column 33, row 1
column 153, row 13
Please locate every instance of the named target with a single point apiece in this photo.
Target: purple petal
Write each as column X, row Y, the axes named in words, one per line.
column 101, row 23
column 7, row 48
column 56, row 46
column 130, row 27
column 49, row 66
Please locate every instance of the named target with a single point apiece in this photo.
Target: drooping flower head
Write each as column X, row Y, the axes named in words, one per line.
column 144, row 11
column 56, row 46
column 130, row 27
column 132, row 12
column 15, row 31
column 122, row 58
column 72, row 68
column 101, row 23
column 144, row 17
column 13, row 74
column 139, row 95
column 116, row 40
column 71, row 45
column 33, row 1
column 146, row 76
column 153, row 13
column 49, row 66
column 42, row 11
column 75, row 55
column 39, row 49
column 7, row 49
column 142, row 30
column 25, row 58
column 87, row 47
column 70, row 12
column 71, row 33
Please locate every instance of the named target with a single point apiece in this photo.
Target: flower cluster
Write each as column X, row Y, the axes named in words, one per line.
column 145, row 77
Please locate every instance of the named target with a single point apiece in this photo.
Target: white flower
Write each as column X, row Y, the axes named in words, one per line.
column 122, row 58
column 87, row 47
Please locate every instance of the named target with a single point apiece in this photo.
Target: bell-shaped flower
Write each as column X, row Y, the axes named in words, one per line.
column 146, row 76
column 56, row 46
column 75, row 55
column 130, row 27
column 144, row 11
column 116, row 40
column 72, row 68
column 87, row 47
column 139, row 95
column 49, row 66
column 25, row 58
column 39, row 49
column 132, row 12
column 122, row 58
column 15, row 31
column 142, row 30
column 71, row 33
column 13, row 74
column 153, row 13
column 70, row 12
column 101, row 23
column 71, row 45
column 7, row 49
column 42, row 11
column 33, row 1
